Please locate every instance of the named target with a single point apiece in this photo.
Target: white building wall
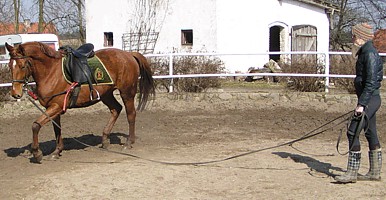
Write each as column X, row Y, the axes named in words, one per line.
column 198, row 15
column 246, row 30
column 309, row 15
column 220, row 26
column 242, row 28
column 106, row 17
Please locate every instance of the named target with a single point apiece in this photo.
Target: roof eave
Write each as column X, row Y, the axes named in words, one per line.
column 322, row 4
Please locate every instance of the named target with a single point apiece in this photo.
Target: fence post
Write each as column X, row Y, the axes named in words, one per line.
column 327, row 72
column 171, row 72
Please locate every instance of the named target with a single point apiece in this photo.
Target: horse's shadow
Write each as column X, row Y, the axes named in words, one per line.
column 312, row 163
column 74, row 143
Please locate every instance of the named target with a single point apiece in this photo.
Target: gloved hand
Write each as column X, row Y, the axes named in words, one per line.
column 359, row 110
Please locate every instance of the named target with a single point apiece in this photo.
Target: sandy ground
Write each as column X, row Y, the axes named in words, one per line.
column 185, row 132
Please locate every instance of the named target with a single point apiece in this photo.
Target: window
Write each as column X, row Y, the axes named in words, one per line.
column 3, row 53
column 109, row 39
column 187, row 37
column 2, row 50
column 52, row 45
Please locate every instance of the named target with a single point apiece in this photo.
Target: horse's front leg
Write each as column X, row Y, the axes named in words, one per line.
column 52, row 112
column 58, row 135
column 115, row 109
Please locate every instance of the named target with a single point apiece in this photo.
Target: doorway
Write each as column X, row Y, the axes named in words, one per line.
column 277, row 42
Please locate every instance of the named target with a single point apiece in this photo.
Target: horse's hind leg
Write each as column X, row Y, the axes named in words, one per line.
column 115, row 109
column 131, row 113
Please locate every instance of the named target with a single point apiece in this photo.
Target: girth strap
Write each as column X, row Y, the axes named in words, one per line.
column 73, row 85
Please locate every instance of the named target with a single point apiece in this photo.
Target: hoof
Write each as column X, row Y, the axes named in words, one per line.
column 127, row 146
column 38, row 157
column 105, row 145
column 54, row 156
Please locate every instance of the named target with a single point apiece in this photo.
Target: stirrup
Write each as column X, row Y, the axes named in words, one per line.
column 98, row 96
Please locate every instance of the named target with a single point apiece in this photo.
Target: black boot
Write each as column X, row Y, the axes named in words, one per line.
column 374, row 174
column 353, row 164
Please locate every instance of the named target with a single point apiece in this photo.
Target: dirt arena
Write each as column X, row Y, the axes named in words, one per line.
column 185, row 132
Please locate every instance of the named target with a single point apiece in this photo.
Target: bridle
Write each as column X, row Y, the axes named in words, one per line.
column 27, row 66
column 25, row 82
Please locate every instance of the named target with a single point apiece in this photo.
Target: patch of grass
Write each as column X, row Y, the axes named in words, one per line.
column 251, row 85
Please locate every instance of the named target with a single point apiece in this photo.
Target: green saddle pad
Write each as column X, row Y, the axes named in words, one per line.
column 98, row 70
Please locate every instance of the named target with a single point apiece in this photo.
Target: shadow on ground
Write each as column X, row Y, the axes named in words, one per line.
column 312, row 163
column 76, row 143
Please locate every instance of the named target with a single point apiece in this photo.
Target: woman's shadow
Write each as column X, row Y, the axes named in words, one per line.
column 312, row 163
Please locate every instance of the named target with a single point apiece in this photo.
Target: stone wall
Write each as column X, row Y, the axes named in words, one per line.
column 250, row 100
column 271, row 96
column 217, row 101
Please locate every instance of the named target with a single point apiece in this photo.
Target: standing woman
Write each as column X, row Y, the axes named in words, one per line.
column 369, row 74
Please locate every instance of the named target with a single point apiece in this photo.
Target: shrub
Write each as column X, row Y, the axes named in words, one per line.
column 5, row 77
column 188, row 65
column 343, row 64
column 304, row 84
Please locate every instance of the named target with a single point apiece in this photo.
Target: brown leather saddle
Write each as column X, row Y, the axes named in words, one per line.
column 77, row 67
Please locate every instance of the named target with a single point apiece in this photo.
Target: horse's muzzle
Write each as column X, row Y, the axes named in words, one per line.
column 17, row 91
column 17, row 96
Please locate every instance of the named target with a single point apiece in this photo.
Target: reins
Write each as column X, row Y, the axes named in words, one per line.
column 308, row 135
column 362, row 119
column 34, row 96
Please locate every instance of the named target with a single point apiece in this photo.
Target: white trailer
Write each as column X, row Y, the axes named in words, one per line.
column 51, row 40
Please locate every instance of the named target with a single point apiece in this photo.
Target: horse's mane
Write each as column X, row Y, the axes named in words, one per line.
column 45, row 49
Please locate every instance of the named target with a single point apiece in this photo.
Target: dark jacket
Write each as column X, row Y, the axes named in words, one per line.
column 369, row 73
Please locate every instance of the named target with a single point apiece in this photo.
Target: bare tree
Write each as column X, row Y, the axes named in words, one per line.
column 351, row 13
column 147, row 15
column 82, row 31
column 145, row 24
column 373, row 11
column 7, row 13
column 67, row 15
column 41, row 16
column 16, row 5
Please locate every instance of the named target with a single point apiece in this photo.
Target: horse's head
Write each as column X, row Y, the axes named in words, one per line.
column 25, row 60
column 20, row 65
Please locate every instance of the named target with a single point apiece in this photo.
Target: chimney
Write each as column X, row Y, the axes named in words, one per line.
column 27, row 23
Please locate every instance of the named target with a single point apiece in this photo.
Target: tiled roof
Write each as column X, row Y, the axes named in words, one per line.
column 26, row 27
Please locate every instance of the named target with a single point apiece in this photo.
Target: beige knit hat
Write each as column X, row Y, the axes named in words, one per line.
column 363, row 31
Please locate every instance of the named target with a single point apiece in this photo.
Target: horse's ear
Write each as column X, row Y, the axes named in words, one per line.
column 9, row 47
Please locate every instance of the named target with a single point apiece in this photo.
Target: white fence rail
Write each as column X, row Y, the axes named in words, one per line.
column 171, row 74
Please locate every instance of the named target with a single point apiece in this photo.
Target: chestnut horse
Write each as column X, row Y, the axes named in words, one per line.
column 44, row 64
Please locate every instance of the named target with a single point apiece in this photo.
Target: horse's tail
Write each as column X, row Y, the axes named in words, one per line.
column 146, row 81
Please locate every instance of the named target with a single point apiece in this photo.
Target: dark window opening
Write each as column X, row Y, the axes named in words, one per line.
column 274, row 42
column 109, row 39
column 3, row 53
column 187, row 37
column 2, row 50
